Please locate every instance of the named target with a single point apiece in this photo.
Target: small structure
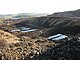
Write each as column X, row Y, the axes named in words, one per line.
column 31, row 30
column 54, row 36
column 24, row 28
column 57, row 37
column 17, row 30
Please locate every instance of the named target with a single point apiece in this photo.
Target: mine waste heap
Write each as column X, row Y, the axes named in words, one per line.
column 68, row 50
column 52, row 37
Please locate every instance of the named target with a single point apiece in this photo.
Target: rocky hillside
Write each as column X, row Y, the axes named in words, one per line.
column 25, row 49
column 67, row 23
column 68, row 50
column 53, row 25
column 7, row 37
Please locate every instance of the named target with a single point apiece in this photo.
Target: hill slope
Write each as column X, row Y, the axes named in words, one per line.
column 57, row 23
column 9, row 38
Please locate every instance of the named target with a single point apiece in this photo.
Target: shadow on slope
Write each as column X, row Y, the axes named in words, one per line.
column 68, row 50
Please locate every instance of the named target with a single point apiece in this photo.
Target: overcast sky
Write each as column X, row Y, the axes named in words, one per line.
column 37, row 6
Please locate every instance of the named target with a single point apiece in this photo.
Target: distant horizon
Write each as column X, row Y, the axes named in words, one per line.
column 24, row 13
column 37, row 12
column 37, row 6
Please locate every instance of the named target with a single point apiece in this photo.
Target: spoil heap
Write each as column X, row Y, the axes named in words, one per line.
column 9, row 38
column 69, row 50
column 25, row 49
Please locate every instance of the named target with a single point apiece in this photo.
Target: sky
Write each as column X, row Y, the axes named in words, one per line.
column 37, row 6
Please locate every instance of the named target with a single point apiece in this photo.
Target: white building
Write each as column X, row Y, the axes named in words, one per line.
column 57, row 37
